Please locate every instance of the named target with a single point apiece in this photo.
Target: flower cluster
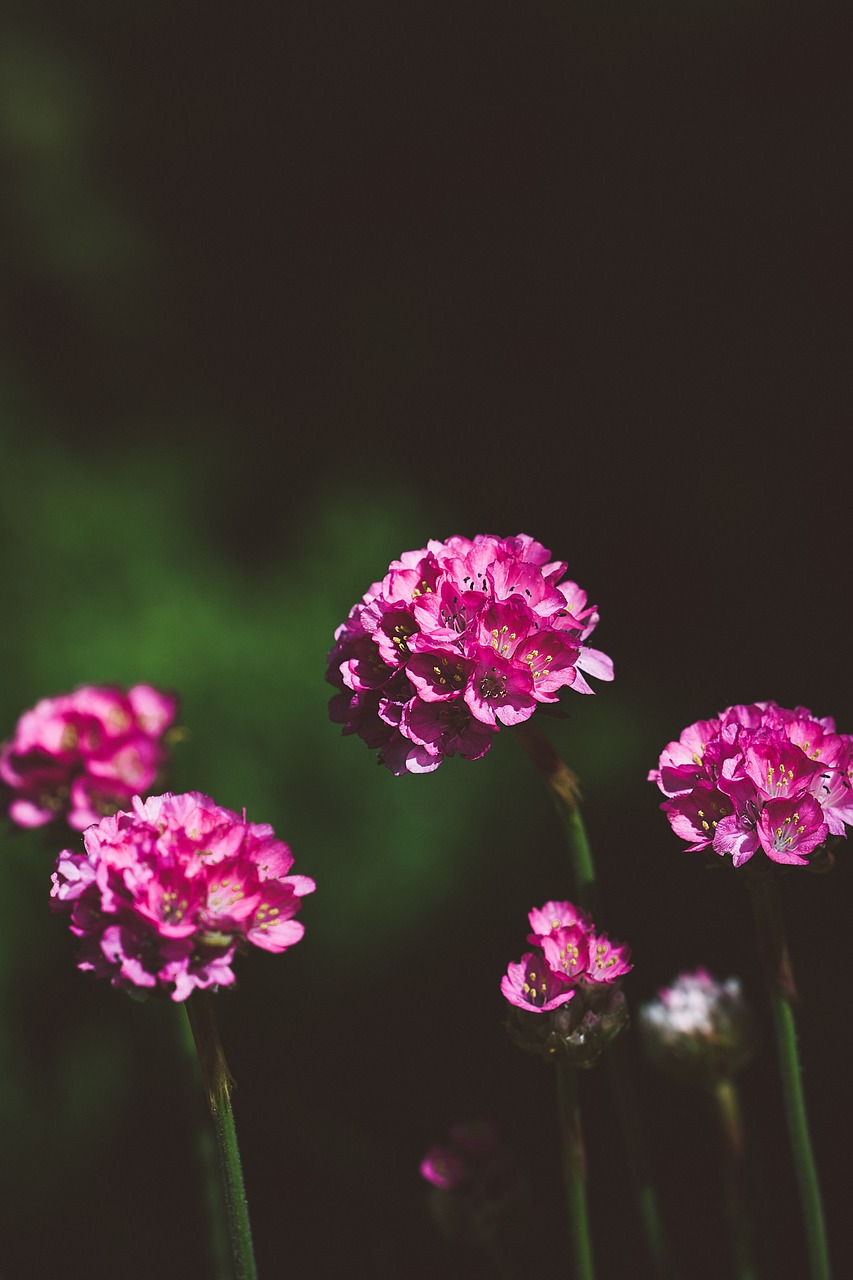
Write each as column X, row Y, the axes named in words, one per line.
column 457, row 640
column 84, row 754
column 167, row 893
column 574, row 977
column 758, row 778
column 698, row 1031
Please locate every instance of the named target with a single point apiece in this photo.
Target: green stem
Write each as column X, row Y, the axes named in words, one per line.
column 735, row 1182
column 218, row 1083
column 565, row 793
column 574, row 1169
column 778, row 973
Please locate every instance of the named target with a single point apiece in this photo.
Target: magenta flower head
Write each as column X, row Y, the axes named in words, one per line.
column 84, row 754
column 480, row 1194
column 565, row 994
column 698, row 1031
column 459, row 640
column 759, row 780
column 167, row 893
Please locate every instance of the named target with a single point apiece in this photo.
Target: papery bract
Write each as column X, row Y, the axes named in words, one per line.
column 488, row 628
column 167, row 893
column 84, row 754
column 758, row 779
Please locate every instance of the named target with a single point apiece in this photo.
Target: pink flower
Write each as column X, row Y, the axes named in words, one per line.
column 479, row 1193
column 573, row 979
column 472, row 1147
column 458, row 640
column 167, row 893
column 85, row 754
column 758, row 779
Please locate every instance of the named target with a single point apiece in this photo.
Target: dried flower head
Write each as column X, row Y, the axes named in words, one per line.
column 458, row 640
column 565, row 995
column 698, row 1031
column 166, row 894
column 84, row 754
column 758, row 779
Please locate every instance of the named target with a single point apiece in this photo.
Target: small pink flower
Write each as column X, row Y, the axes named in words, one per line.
column 168, row 892
column 572, row 977
column 84, row 754
column 532, row 984
column 478, row 1192
column 487, row 628
column 758, row 779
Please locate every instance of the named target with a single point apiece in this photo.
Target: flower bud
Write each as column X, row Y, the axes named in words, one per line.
column 698, row 1031
column 576, row 1032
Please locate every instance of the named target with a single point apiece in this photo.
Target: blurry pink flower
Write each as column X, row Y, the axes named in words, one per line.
column 758, row 779
column 572, row 962
column 459, row 640
column 479, row 1193
column 84, row 754
column 167, row 893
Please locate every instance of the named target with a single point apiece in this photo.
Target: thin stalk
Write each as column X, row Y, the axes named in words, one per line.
column 779, row 977
column 218, row 1083
column 206, row 1158
column 565, row 793
column 735, row 1183
column 574, row 1170
column 639, row 1165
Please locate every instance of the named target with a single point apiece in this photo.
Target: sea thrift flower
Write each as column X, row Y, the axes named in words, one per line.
column 565, row 994
column 458, row 640
column 167, row 893
column 758, row 780
column 479, row 1192
column 698, row 1031
column 85, row 754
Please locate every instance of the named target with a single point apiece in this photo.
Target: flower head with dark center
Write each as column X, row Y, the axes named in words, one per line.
column 487, row 628
column 758, row 779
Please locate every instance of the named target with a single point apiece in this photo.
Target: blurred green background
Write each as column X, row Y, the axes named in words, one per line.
column 286, row 292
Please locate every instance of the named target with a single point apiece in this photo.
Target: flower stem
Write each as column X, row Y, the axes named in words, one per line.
column 727, row 1103
column 566, row 795
column 565, row 792
column 574, row 1169
column 220, row 1260
column 639, row 1164
column 218, row 1082
column 778, row 973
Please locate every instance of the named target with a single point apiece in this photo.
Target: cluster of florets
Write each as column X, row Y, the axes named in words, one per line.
column 565, row 995
column 758, row 778
column 85, row 754
column 698, row 1031
column 167, row 893
column 457, row 640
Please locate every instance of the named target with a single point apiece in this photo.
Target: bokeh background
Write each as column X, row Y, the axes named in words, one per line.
column 288, row 290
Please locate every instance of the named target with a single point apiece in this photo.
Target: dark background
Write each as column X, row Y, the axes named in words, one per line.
column 287, row 291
